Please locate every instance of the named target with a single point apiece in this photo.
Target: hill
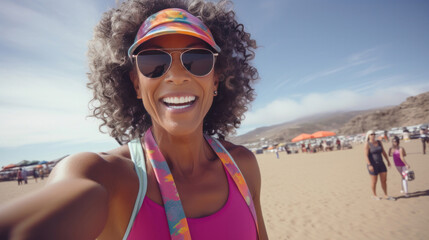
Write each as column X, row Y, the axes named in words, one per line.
column 286, row 131
column 413, row 111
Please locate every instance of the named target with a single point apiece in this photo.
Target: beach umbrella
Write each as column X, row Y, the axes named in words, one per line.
column 321, row 134
column 23, row 163
column 33, row 163
column 9, row 166
column 302, row 136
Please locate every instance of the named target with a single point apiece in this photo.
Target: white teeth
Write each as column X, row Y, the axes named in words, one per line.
column 179, row 107
column 178, row 100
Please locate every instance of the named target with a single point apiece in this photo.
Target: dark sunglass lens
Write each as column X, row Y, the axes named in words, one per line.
column 198, row 61
column 153, row 63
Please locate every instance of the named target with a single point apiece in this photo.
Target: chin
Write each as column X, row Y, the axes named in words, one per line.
column 181, row 128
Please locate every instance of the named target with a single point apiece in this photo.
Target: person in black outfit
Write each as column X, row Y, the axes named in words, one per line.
column 374, row 153
column 424, row 138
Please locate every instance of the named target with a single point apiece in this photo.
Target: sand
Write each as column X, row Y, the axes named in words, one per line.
column 327, row 196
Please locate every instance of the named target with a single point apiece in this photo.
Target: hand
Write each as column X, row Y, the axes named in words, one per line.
column 370, row 168
column 388, row 164
column 408, row 166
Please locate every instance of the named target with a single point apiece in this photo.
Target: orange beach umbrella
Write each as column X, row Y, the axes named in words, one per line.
column 302, row 136
column 9, row 166
column 321, row 134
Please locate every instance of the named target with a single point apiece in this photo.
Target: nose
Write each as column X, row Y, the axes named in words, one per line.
column 177, row 74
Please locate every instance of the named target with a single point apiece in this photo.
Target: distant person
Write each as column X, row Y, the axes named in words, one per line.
column 19, row 176
column 41, row 174
column 374, row 153
column 386, row 136
column 288, row 149
column 330, row 146
column 24, row 175
column 324, row 146
column 424, row 138
column 35, row 174
column 338, row 144
column 399, row 154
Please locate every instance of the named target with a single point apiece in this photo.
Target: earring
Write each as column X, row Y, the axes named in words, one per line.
column 215, row 92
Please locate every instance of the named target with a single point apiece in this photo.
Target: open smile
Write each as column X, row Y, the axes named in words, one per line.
column 181, row 102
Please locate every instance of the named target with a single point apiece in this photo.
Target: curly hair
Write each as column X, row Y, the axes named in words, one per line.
column 114, row 98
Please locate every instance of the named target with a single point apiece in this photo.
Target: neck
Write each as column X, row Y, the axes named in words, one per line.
column 185, row 154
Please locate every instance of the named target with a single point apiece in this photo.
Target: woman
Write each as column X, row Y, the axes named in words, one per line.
column 423, row 138
column 399, row 154
column 166, row 76
column 19, row 176
column 374, row 153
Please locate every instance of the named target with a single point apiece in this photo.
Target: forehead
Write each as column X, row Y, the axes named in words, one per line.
column 174, row 41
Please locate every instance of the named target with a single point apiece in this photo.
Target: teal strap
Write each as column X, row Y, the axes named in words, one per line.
column 137, row 157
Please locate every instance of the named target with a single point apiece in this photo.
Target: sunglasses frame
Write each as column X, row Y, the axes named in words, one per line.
column 169, row 51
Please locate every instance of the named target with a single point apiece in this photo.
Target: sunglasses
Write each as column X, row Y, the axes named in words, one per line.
column 372, row 134
column 154, row 63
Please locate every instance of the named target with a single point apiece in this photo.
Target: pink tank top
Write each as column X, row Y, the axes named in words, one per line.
column 232, row 221
column 397, row 158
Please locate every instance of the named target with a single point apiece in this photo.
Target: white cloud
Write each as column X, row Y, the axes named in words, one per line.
column 364, row 56
column 371, row 69
column 21, row 126
column 44, row 106
column 351, row 63
column 43, row 97
column 287, row 109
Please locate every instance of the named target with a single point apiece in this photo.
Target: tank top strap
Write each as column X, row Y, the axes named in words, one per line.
column 138, row 158
column 235, row 174
column 177, row 222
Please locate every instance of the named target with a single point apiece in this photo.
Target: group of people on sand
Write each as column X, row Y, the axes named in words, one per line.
column 22, row 175
column 374, row 153
column 321, row 146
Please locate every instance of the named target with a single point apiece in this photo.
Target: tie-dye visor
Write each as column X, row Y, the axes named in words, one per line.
column 172, row 21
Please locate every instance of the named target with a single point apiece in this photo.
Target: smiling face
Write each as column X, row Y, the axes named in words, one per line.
column 178, row 100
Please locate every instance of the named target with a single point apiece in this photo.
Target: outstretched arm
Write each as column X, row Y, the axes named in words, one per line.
column 73, row 204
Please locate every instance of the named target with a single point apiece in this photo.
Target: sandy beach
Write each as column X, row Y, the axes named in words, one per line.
column 327, row 196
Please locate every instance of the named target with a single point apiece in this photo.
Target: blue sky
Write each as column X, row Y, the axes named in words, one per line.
column 314, row 56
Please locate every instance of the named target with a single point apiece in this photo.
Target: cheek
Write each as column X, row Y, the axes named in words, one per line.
column 147, row 91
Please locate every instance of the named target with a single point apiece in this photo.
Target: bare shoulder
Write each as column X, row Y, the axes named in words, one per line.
column 248, row 165
column 242, row 156
column 403, row 151
column 99, row 167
